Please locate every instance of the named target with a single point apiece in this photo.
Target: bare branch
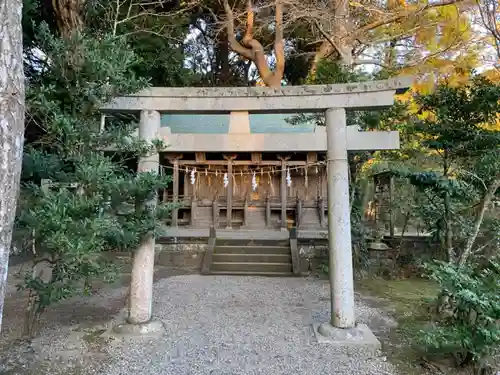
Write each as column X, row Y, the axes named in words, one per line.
column 399, row 16
column 371, row 62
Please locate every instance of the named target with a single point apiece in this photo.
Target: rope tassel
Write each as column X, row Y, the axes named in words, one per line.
column 254, row 182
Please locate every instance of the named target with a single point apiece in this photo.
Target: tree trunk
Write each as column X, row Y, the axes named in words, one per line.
column 341, row 31
column 68, row 16
column 11, row 127
column 222, row 58
column 251, row 49
column 448, row 228
column 488, row 197
column 325, row 49
column 335, row 39
column 447, row 214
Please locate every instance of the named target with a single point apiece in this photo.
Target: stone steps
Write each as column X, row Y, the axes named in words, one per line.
column 250, row 273
column 252, row 258
column 246, row 257
column 253, row 242
column 252, row 249
column 254, row 267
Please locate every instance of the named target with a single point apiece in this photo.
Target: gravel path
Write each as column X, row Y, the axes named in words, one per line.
column 225, row 325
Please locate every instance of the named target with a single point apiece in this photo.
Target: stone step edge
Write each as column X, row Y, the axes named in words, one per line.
column 251, row 273
column 286, row 258
column 253, row 263
column 252, row 246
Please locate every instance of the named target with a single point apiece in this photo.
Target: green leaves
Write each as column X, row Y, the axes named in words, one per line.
column 471, row 329
column 95, row 203
column 457, row 118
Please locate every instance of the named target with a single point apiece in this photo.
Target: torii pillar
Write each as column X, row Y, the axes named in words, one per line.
column 139, row 320
column 339, row 221
column 342, row 329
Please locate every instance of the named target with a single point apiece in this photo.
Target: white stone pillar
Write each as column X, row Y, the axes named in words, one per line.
column 339, row 222
column 141, row 285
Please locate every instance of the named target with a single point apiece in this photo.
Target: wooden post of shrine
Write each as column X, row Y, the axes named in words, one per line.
column 298, row 213
column 215, row 213
column 283, row 192
column 175, row 182
column 391, row 207
column 321, row 211
column 229, row 211
column 193, row 198
column 268, row 212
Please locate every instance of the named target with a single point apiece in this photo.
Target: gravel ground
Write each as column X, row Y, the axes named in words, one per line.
column 225, row 325
column 216, row 325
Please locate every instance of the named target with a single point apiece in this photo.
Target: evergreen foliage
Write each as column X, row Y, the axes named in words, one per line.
column 81, row 196
column 470, row 332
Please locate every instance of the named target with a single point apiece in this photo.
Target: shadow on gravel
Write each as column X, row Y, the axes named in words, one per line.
column 25, row 357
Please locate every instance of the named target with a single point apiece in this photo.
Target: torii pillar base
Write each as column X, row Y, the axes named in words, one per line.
column 359, row 337
column 152, row 329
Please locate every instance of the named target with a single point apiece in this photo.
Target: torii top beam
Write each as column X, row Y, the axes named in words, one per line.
column 312, row 98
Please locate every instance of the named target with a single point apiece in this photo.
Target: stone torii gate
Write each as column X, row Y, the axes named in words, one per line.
column 333, row 100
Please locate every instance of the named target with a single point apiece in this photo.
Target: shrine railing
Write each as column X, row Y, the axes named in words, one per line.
column 268, row 204
column 239, row 202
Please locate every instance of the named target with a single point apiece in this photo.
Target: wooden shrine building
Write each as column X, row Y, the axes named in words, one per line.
column 254, row 181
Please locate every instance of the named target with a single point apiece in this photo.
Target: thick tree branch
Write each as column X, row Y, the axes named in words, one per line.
column 252, row 49
column 340, row 39
column 279, row 45
column 330, row 40
column 231, row 36
column 247, row 38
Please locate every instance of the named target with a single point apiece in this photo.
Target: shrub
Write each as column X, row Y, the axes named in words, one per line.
column 94, row 202
column 469, row 328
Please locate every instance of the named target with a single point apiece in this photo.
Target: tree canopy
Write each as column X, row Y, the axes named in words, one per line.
column 274, row 42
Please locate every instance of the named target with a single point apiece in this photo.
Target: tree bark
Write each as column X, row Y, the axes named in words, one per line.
column 251, row 49
column 324, row 50
column 447, row 214
column 448, row 228
column 68, row 16
column 488, row 197
column 222, row 59
column 11, row 127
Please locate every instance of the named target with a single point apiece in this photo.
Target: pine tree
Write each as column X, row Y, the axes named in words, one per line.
column 81, row 196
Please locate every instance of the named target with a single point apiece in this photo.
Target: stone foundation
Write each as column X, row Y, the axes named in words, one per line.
column 187, row 256
column 313, row 255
